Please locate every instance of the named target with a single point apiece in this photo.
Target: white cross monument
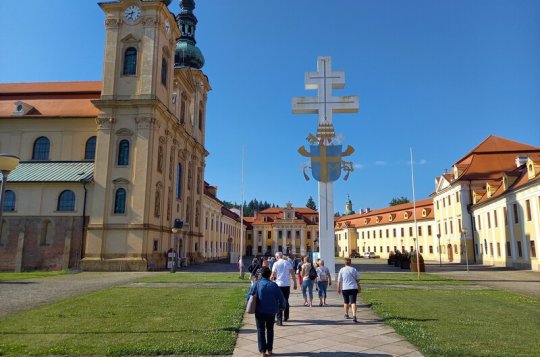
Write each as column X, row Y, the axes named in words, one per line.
column 325, row 104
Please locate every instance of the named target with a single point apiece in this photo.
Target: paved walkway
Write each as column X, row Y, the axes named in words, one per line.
column 323, row 332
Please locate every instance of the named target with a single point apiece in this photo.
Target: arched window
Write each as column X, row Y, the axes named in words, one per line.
column 123, row 152
column 42, row 146
column 120, row 201
column 157, row 205
column 9, row 201
column 66, row 201
column 90, row 149
column 160, row 159
column 130, row 61
column 164, row 69
column 179, row 181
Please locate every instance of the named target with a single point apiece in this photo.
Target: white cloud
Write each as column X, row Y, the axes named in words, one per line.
column 359, row 166
column 423, row 162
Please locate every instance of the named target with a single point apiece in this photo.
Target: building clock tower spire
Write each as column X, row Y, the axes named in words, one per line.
column 187, row 54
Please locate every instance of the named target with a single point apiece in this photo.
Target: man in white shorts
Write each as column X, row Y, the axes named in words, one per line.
column 283, row 273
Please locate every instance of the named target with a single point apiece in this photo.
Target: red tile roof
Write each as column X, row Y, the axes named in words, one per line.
column 51, row 99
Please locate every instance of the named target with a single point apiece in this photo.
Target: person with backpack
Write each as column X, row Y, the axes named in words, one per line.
column 252, row 268
column 309, row 275
column 324, row 280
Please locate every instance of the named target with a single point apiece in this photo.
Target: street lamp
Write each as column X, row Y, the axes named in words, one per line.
column 464, row 235
column 173, row 256
column 440, row 259
column 8, row 163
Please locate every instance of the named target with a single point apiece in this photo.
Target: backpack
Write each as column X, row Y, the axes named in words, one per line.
column 312, row 273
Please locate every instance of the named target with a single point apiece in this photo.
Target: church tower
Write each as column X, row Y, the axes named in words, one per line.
column 150, row 144
column 348, row 206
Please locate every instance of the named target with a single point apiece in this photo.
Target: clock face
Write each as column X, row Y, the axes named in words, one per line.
column 132, row 13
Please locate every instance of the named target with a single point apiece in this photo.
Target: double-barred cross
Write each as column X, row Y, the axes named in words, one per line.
column 325, row 104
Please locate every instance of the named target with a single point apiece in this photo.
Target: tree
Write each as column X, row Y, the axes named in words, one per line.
column 397, row 201
column 311, row 204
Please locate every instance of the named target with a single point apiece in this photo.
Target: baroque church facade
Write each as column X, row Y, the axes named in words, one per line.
column 108, row 168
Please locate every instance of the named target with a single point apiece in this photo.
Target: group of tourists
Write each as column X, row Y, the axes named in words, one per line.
column 271, row 281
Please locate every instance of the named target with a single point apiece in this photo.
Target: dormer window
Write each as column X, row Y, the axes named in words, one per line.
column 21, row 108
column 424, row 212
column 406, row 215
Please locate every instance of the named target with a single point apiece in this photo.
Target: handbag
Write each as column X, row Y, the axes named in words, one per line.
column 251, row 305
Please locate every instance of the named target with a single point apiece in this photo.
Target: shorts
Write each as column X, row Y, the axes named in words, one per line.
column 349, row 296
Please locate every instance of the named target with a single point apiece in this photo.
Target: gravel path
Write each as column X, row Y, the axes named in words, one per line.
column 23, row 295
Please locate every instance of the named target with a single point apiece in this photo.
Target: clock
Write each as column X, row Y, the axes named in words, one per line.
column 132, row 13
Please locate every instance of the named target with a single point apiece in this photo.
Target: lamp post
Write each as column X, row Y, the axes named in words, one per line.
column 440, row 259
column 464, row 235
column 8, row 163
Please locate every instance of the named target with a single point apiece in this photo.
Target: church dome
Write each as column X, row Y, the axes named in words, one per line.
column 187, row 54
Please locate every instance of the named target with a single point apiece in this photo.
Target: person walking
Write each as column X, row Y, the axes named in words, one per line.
column 307, row 282
column 324, row 280
column 252, row 268
column 283, row 273
column 348, row 285
column 270, row 300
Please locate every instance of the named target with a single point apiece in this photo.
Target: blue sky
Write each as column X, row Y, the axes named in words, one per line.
column 437, row 76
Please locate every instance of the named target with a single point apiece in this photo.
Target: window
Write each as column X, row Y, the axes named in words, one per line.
column 155, row 246
column 410, row 231
column 66, row 201
column 495, row 220
column 130, row 61
column 157, row 203
column 533, row 249
column 179, row 181
column 451, row 227
column 42, row 146
column 491, row 249
column 9, row 201
column 516, row 219
column 498, row 249
column 505, row 213
column 528, row 207
column 123, row 152
column 183, row 109
column 269, row 235
column 489, row 219
column 164, row 69
column 394, row 232
column 200, row 118
column 90, row 149
column 120, row 201
column 402, row 232
column 160, row 159
column 508, row 249
column 419, row 231
column 479, row 223
column 430, row 249
column 457, row 197
column 520, row 253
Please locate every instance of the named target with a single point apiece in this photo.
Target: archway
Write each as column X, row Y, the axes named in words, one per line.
column 450, row 253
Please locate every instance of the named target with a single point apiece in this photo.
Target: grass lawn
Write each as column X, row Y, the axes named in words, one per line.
column 130, row 321
column 458, row 322
column 30, row 275
column 408, row 278
column 196, row 278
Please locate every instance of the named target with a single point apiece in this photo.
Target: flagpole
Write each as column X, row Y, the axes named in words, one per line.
column 414, row 215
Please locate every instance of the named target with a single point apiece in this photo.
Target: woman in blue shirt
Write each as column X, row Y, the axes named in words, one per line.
column 270, row 300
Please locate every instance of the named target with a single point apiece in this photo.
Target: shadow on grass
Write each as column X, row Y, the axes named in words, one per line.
column 226, row 329
column 17, row 282
column 399, row 318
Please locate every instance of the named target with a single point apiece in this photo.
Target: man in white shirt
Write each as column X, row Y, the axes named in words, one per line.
column 283, row 273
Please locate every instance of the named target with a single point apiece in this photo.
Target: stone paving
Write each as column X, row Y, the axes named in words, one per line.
column 323, row 331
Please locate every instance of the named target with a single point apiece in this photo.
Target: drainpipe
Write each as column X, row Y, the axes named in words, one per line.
column 83, row 226
column 469, row 209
